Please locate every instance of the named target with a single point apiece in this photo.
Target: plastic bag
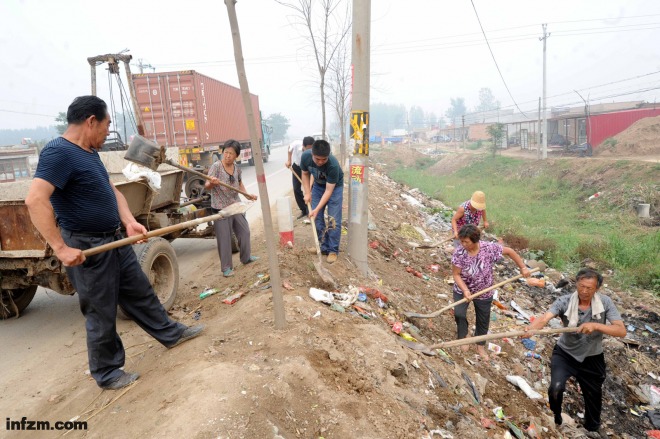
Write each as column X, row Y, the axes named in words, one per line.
column 520, row 382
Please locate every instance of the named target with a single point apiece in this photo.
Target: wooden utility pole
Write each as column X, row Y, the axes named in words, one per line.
column 273, row 262
column 358, row 208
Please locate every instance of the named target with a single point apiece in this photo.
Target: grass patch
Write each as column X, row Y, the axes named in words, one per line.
column 553, row 216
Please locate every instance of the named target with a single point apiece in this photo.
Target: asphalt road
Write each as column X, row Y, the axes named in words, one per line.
column 52, row 320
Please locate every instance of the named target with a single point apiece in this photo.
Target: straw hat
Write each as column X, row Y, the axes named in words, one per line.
column 478, row 200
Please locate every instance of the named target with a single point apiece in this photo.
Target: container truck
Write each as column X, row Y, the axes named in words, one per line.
column 197, row 114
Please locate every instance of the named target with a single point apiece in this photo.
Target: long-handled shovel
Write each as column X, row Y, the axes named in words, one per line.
column 234, row 209
column 451, row 305
column 509, row 334
column 428, row 349
column 320, row 269
column 144, row 152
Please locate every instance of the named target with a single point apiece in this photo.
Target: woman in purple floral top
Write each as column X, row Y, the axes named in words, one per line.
column 226, row 171
column 470, row 212
column 472, row 267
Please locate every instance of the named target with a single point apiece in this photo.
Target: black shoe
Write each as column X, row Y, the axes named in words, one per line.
column 189, row 333
column 324, row 253
column 302, row 215
column 124, row 380
column 558, row 419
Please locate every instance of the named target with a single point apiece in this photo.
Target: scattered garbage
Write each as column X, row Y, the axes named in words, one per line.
column 414, row 272
column 497, row 349
column 210, row 291
column 321, row 295
column 362, row 297
column 524, row 386
column 535, row 282
column 520, row 311
column 528, row 343
column 234, row 298
column 594, row 196
column 530, row 354
column 397, row 327
column 499, row 413
column 316, row 314
column 337, row 307
column 517, row 432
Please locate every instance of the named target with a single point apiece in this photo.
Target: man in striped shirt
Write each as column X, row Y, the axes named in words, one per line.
column 75, row 207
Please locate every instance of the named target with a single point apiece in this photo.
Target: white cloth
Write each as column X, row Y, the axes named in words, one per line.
column 296, row 151
column 572, row 311
column 133, row 172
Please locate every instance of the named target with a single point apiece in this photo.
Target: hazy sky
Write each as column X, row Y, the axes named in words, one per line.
column 423, row 52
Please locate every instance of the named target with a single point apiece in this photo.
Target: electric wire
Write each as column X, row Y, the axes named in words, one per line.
column 494, row 60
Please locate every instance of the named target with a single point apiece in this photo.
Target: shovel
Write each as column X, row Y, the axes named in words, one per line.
column 428, row 350
column 146, row 153
column 451, row 305
column 234, row 209
column 320, row 269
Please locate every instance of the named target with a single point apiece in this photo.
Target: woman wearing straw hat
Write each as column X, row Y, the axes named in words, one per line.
column 469, row 212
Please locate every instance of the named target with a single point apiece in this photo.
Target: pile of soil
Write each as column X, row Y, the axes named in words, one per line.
column 641, row 138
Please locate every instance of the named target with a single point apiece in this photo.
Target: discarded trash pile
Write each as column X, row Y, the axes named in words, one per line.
column 351, row 364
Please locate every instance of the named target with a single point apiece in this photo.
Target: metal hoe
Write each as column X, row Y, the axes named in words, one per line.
column 146, row 153
column 451, row 305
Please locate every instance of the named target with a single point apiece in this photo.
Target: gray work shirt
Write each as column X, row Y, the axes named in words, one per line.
column 581, row 346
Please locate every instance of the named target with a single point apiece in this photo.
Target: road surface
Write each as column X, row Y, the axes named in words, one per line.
column 34, row 341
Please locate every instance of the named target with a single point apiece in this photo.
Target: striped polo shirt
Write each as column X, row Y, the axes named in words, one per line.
column 84, row 199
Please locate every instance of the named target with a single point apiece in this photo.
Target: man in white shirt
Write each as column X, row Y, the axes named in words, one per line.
column 296, row 149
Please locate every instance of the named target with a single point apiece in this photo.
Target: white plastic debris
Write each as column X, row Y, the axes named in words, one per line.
column 524, row 386
column 321, row 295
column 133, row 172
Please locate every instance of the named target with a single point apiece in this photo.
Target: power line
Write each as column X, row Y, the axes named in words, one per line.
column 31, row 114
column 494, row 60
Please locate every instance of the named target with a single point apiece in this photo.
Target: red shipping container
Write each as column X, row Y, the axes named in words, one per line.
column 192, row 111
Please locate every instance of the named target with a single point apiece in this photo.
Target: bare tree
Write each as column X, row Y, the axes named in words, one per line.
column 324, row 39
column 339, row 90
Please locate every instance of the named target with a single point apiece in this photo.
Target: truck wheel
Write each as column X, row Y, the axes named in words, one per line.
column 158, row 261
column 251, row 162
column 194, row 187
column 21, row 297
column 266, row 154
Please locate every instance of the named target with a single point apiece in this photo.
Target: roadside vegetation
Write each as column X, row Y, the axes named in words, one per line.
column 548, row 208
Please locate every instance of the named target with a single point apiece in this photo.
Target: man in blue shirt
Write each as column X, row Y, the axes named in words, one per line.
column 327, row 191
column 75, row 207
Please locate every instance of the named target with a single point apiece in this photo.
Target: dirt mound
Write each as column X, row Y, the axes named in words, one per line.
column 452, row 162
column 641, row 138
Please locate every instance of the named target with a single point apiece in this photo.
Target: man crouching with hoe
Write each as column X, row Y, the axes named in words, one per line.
column 71, row 189
column 580, row 354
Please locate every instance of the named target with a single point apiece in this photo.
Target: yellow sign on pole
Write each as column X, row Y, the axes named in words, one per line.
column 360, row 132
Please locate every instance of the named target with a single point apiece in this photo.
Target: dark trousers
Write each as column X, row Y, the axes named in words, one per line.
column 482, row 312
column 104, row 281
column 590, row 374
column 223, row 228
column 297, row 189
column 329, row 234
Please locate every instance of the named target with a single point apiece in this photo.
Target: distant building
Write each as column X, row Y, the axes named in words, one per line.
column 15, row 163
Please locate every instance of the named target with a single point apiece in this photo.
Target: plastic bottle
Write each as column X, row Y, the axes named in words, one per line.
column 531, row 354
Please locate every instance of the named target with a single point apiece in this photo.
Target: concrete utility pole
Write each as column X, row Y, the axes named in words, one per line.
column 273, row 262
column 544, row 153
column 143, row 66
column 358, row 209
column 463, row 131
column 538, row 134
